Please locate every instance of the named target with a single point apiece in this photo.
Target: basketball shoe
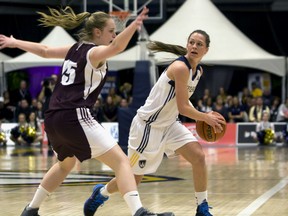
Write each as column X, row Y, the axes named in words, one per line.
column 203, row 209
column 144, row 212
column 30, row 212
column 95, row 200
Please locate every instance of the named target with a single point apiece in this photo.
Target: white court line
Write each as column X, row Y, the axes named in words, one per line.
column 263, row 198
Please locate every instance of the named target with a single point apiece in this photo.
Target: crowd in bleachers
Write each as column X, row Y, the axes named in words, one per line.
column 246, row 106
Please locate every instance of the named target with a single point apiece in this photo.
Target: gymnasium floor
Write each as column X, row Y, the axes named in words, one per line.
column 243, row 181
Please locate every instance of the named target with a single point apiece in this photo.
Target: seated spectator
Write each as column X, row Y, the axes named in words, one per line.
column 274, row 109
column 39, row 111
column 19, row 133
column 23, row 108
column 115, row 97
column 229, row 101
column 220, row 108
column 206, row 95
column 3, row 139
column 126, row 91
column 5, row 113
column 207, row 106
column 22, row 93
column 283, row 112
column 10, row 108
column 123, row 103
column 267, row 97
column 34, row 130
column 222, row 93
column 244, row 96
column 256, row 111
column 109, row 110
column 33, row 105
column 97, row 111
column 199, row 105
column 265, row 132
column 235, row 111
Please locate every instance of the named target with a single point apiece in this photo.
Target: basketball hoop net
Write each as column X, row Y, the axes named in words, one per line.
column 120, row 18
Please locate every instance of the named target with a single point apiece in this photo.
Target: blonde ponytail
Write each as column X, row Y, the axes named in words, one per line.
column 65, row 18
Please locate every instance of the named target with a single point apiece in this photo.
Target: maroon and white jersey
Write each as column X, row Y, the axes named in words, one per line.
column 80, row 83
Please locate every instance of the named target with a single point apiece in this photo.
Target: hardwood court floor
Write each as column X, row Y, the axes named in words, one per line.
column 242, row 181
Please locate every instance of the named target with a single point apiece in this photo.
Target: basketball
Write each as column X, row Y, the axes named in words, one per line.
column 206, row 132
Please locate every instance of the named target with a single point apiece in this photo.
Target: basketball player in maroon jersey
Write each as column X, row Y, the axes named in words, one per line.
column 72, row 131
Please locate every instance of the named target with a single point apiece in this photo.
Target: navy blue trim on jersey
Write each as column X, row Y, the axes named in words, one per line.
column 145, row 139
column 170, row 96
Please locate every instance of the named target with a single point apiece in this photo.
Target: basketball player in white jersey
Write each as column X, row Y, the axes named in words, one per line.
column 155, row 130
column 71, row 129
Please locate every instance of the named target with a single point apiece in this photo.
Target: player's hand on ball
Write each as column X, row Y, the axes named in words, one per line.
column 216, row 120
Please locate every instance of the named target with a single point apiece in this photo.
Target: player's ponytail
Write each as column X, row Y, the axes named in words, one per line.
column 66, row 18
column 157, row 46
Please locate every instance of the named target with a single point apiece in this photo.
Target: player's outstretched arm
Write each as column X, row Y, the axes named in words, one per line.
column 32, row 47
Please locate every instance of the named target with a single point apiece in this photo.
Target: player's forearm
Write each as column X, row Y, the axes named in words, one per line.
column 35, row 48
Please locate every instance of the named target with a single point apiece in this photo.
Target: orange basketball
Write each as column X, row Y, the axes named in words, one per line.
column 206, row 132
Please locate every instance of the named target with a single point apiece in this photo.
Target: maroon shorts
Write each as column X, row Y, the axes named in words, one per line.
column 76, row 133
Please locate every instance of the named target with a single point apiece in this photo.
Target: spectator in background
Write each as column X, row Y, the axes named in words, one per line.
column 35, row 129
column 39, row 111
column 123, row 103
column 33, row 105
column 206, row 95
column 109, row 110
column 235, row 111
column 97, row 111
column 8, row 104
column 265, row 130
column 283, row 112
column 267, row 97
column 274, row 109
column 219, row 107
column 244, row 96
column 229, row 101
column 19, row 133
column 207, row 106
column 199, row 105
column 48, row 85
column 115, row 97
column 3, row 139
column 23, row 108
column 222, row 93
column 256, row 90
column 126, row 91
column 256, row 111
column 22, row 93
column 5, row 114
column 53, row 81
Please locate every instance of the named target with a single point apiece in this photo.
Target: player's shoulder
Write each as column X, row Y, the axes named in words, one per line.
column 179, row 65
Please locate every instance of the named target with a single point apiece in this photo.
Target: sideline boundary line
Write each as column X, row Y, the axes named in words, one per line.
column 263, row 198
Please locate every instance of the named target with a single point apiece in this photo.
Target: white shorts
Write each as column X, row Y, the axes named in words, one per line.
column 147, row 145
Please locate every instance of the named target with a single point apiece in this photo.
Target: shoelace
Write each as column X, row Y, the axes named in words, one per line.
column 96, row 202
column 205, row 210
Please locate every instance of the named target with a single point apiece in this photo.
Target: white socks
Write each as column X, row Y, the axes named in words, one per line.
column 201, row 197
column 104, row 192
column 40, row 195
column 132, row 199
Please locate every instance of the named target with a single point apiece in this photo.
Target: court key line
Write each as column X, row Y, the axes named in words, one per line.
column 263, row 198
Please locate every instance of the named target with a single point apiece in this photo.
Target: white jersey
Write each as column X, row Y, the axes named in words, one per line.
column 160, row 108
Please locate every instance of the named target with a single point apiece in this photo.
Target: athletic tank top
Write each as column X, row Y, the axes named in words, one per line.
column 79, row 83
column 160, row 108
